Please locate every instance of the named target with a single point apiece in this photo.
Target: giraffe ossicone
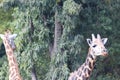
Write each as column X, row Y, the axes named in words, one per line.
column 96, row 48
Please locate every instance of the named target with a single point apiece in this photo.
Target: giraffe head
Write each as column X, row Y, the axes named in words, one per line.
column 8, row 38
column 97, row 45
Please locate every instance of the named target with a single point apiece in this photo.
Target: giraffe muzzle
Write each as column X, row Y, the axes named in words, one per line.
column 105, row 52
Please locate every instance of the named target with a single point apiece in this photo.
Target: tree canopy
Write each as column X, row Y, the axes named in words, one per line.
column 51, row 41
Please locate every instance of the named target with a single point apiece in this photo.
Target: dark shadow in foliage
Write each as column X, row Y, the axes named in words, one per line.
column 2, row 50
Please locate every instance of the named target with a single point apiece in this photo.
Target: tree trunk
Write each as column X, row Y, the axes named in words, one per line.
column 31, row 31
column 57, row 34
column 33, row 74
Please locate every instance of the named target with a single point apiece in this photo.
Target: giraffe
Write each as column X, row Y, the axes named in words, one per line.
column 9, row 48
column 96, row 48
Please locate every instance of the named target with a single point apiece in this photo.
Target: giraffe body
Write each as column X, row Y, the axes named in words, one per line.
column 9, row 47
column 96, row 49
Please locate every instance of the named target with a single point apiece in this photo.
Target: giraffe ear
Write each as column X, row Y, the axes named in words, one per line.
column 13, row 36
column 89, row 42
column 1, row 35
column 104, row 40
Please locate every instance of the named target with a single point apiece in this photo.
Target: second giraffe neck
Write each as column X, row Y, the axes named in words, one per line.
column 13, row 65
column 10, row 55
column 11, row 58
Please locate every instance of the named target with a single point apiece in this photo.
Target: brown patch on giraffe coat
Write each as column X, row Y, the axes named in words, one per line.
column 90, row 65
column 91, row 56
column 10, row 53
column 82, row 67
column 83, row 77
column 7, row 46
column 11, row 64
column 12, row 61
column 79, row 73
column 87, row 72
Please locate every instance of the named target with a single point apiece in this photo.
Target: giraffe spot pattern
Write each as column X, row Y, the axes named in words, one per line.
column 10, row 53
column 13, row 67
column 7, row 46
column 83, row 73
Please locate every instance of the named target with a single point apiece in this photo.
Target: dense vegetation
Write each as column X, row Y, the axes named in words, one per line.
column 52, row 34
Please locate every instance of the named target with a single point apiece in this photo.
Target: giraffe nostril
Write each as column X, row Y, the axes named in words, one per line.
column 105, row 50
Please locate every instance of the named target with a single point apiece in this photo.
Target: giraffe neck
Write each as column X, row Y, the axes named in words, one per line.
column 89, row 63
column 85, row 70
column 13, row 66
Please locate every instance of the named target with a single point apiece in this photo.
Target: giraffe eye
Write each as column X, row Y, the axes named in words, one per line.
column 94, row 46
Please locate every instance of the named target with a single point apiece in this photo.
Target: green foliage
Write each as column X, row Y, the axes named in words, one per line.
column 58, row 68
column 71, row 8
column 5, row 18
column 30, row 53
column 79, row 19
column 108, row 77
column 68, row 48
column 4, row 68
